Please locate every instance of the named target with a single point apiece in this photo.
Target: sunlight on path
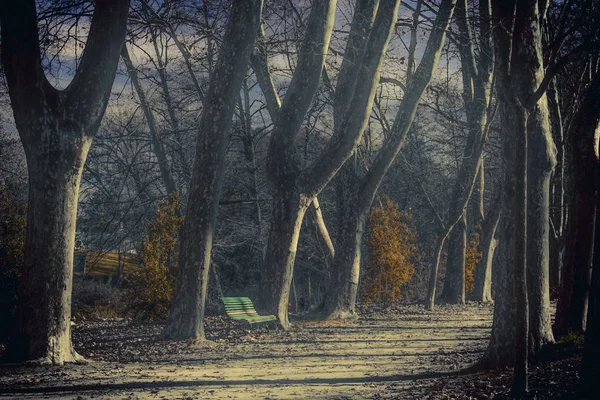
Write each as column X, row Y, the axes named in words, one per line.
column 346, row 360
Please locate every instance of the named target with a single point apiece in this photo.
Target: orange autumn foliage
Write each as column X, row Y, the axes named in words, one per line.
column 392, row 244
column 151, row 287
column 472, row 258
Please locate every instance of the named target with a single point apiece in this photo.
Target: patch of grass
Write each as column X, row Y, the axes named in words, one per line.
column 572, row 338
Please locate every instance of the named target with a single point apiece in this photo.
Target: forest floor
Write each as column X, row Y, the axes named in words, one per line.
column 400, row 353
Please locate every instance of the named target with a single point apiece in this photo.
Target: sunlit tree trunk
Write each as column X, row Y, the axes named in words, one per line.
column 56, row 129
column 189, row 298
column 482, row 289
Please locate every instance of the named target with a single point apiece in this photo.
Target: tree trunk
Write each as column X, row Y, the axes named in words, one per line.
column 44, row 322
column 520, row 22
column 476, row 94
column 590, row 363
column 454, row 280
column 482, row 289
column 571, row 310
column 557, row 207
column 500, row 349
column 435, row 268
column 342, row 288
column 541, row 161
column 278, row 266
column 56, row 128
column 189, row 298
column 367, row 186
column 520, row 139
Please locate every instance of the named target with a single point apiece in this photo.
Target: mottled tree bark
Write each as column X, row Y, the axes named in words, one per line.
column 500, row 350
column 571, row 309
column 56, row 129
column 519, row 65
column 189, row 298
column 342, row 288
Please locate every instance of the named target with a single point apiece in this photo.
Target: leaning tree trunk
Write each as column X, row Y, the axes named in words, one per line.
column 571, row 310
column 189, row 298
column 482, row 288
column 56, row 128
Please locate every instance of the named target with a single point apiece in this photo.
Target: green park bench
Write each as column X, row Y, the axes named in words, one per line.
column 242, row 308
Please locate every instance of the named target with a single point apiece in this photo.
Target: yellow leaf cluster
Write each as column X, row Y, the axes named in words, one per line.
column 392, row 244
column 472, row 258
column 152, row 286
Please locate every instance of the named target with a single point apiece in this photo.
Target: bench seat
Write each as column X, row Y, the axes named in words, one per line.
column 241, row 308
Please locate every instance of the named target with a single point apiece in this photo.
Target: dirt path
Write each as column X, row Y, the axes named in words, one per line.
column 381, row 355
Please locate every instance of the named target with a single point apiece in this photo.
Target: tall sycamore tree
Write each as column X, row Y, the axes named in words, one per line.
column 56, row 128
column 189, row 298
column 295, row 188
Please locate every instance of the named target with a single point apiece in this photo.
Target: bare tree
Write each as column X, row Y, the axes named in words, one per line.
column 293, row 188
column 56, row 129
column 187, row 311
column 362, row 190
